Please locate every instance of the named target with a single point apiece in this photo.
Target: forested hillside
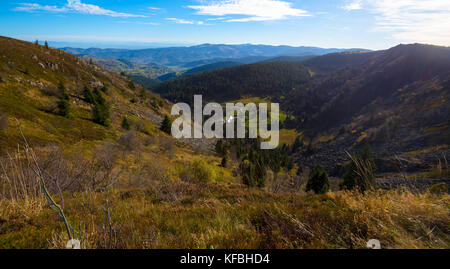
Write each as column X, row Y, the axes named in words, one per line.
column 262, row 79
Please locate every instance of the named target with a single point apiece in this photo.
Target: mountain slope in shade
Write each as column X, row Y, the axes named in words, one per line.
column 335, row 61
column 209, row 67
column 382, row 75
column 236, row 82
column 397, row 101
column 176, row 56
column 294, row 59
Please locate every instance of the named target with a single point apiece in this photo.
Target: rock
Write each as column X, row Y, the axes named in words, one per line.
column 420, row 185
column 96, row 84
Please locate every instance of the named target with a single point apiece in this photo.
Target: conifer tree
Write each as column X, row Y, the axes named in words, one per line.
column 64, row 102
column 101, row 109
column 126, row 124
column 166, row 125
column 88, row 97
column 318, row 181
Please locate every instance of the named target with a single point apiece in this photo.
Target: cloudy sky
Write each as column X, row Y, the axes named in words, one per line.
column 372, row 24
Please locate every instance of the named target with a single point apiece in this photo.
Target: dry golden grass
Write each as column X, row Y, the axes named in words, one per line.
column 185, row 215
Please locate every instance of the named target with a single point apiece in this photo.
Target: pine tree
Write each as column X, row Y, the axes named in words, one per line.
column 88, row 97
column 46, row 44
column 64, row 109
column 318, row 181
column 126, row 124
column 166, row 125
column 64, row 102
column 101, row 109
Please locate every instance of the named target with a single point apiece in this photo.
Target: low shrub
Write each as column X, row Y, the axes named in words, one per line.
column 439, row 189
column 130, row 141
column 199, row 172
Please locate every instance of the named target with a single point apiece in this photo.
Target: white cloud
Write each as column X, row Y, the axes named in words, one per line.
column 254, row 10
column 183, row 21
column 353, row 5
column 423, row 21
column 218, row 19
column 36, row 7
column 75, row 6
column 180, row 21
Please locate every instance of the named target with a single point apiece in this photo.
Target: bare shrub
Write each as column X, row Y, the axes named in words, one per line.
column 130, row 141
column 150, row 140
column 32, row 166
column 285, row 182
column 151, row 171
column 170, row 191
column 102, row 173
column 51, row 91
column 61, row 172
column 167, row 146
column 17, row 178
column 141, row 127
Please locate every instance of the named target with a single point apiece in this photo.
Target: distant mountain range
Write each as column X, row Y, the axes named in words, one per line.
column 209, row 53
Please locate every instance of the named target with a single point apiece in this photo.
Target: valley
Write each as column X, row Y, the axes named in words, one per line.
column 93, row 127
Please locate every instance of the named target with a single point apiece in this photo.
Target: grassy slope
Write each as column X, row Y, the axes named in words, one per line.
column 180, row 215
column 29, row 72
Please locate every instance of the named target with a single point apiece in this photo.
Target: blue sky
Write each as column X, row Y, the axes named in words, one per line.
column 372, row 24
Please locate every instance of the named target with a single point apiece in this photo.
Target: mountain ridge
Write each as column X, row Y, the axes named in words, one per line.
column 177, row 55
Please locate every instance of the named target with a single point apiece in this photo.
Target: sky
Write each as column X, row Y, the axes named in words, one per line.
column 370, row 24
